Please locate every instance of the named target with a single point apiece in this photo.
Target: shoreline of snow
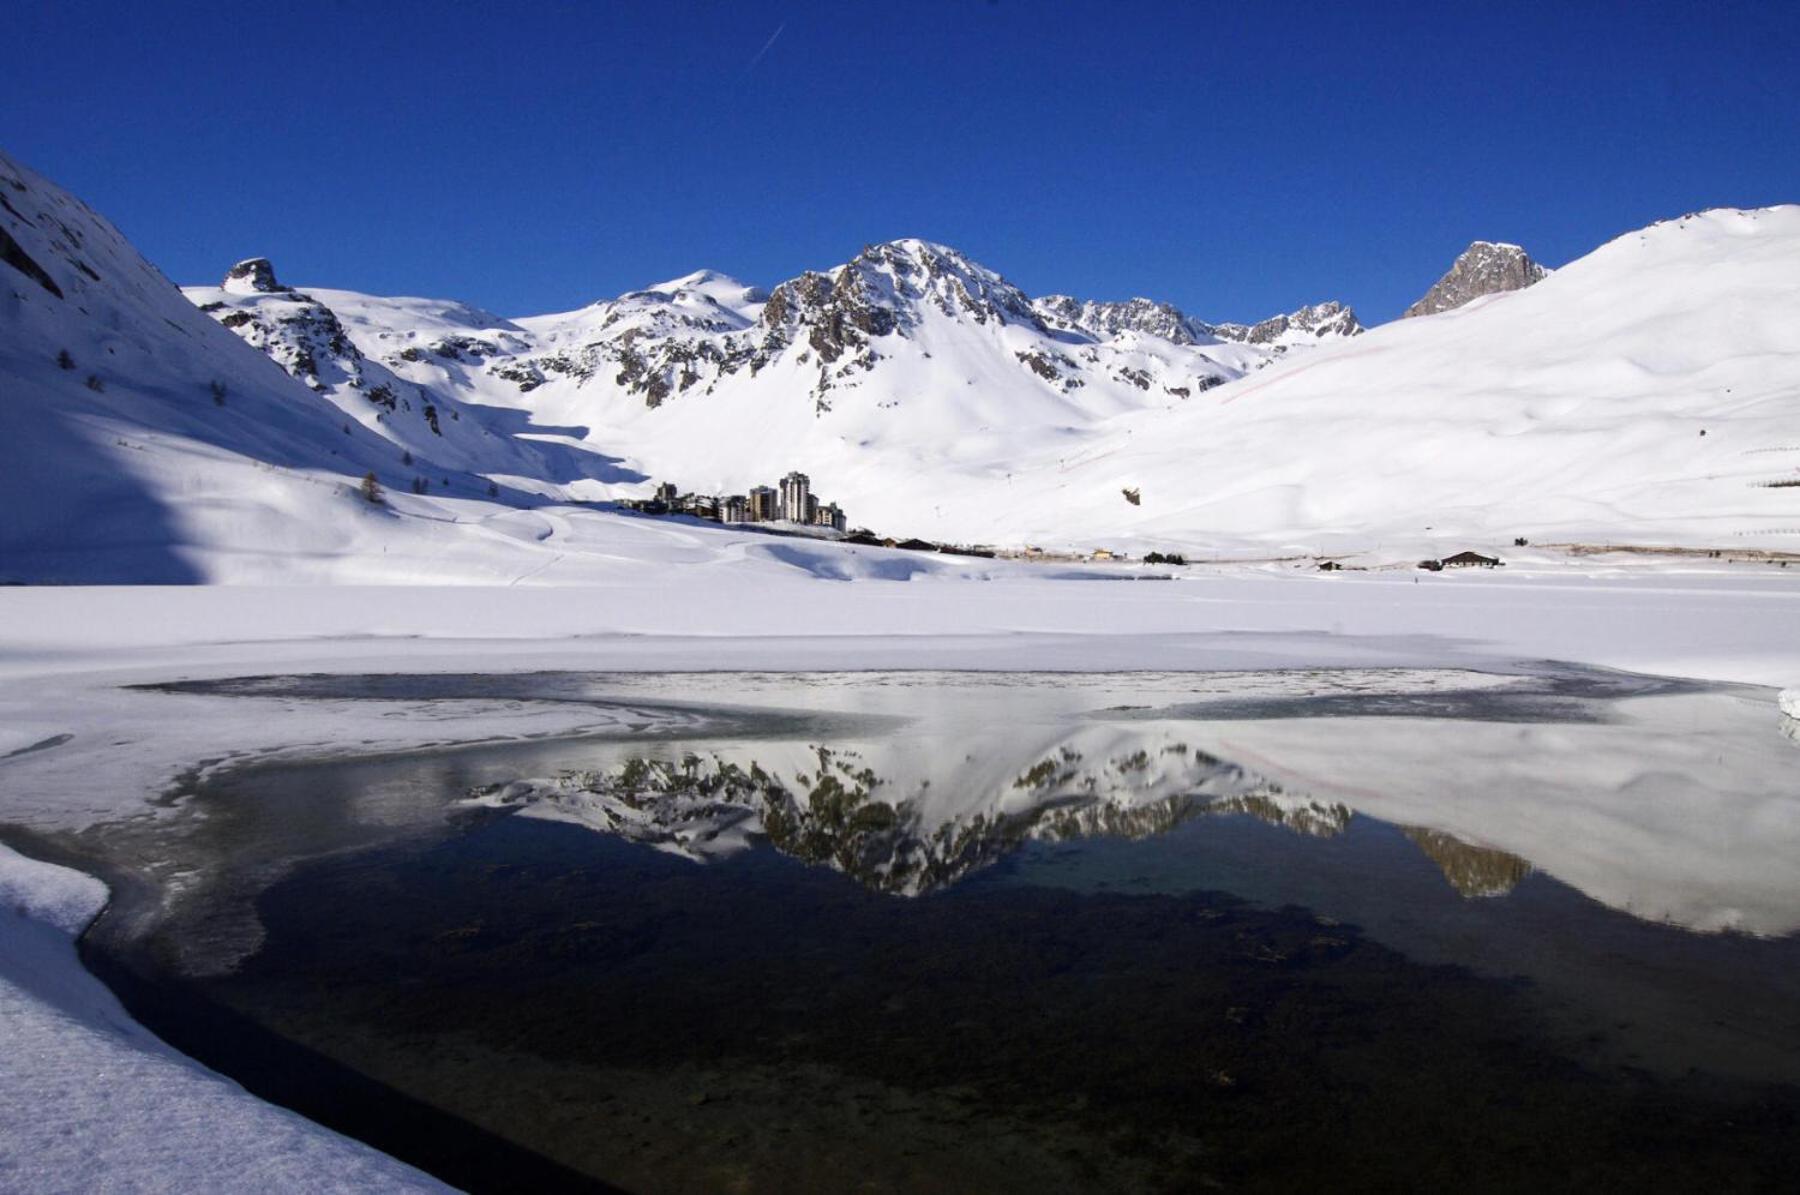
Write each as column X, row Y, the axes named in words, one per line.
column 90, row 1100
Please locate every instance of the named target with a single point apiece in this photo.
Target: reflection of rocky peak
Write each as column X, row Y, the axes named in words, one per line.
column 830, row 814
column 1484, row 268
column 252, row 276
column 1303, row 815
column 1472, row 870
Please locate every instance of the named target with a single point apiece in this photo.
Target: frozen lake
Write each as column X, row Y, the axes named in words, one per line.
column 1002, row 931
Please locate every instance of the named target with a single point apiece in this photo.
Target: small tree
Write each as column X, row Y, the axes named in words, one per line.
column 371, row 489
column 420, row 485
column 95, row 384
column 63, row 359
column 493, row 489
column 218, row 392
column 406, row 457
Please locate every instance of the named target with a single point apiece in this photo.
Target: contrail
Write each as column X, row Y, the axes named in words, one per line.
column 751, row 65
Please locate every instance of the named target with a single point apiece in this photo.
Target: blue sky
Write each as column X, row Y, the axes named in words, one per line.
column 1236, row 159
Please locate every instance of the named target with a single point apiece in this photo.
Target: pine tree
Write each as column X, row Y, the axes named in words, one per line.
column 371, row 488
column 63, row 359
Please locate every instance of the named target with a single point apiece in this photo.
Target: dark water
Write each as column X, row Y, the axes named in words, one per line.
column 1118, row 966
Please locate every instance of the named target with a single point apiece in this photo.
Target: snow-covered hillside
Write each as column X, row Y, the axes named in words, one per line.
column 142, row 441
column 904, row 360
column 1647, row 394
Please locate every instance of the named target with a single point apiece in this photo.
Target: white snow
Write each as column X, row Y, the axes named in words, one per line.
column 1569, row 413
column 91, row 1102
column 1790, row 702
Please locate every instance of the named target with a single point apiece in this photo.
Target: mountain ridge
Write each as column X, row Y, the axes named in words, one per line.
column 1644, row 394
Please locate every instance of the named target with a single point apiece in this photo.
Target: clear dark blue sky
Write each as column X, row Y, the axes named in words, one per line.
column 1236, row 159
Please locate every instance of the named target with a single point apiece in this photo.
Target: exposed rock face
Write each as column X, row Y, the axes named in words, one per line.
column 909, row 299
column 253, row 275
column 1134, row 315
column 1485, row 268
column 14, row 255
column 301, row 334
column 1318, row 321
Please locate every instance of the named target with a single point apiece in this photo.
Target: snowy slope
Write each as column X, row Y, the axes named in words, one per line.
column 304, row 336
column 906, row 355
column 142, row 441
column 920, row 390
column 930, row 397
column 1647, row 393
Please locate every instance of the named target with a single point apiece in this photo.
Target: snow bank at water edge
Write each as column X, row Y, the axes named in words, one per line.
column 91, row 1101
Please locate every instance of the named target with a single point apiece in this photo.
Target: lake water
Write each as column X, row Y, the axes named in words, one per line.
column 958, row 931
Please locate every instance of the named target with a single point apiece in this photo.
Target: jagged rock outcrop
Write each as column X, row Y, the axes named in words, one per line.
column 921, row 314
column 1104, row 319
column 1317, row 321
column 298, row 332
column 1484, row 268
column 253, row 276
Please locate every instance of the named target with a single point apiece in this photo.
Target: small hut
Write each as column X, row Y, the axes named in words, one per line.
column 1471, row 560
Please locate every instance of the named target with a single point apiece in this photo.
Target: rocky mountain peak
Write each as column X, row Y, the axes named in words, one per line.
column 253, row 275
column 1484, row 268
column 1315, row 321
column 1106, row 319
column 910, row 273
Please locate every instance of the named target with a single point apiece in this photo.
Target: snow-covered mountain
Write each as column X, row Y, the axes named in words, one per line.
column 141, row 440
column 931, row 397
column 903, row 320
column 1484, row 268
column 1647, row 394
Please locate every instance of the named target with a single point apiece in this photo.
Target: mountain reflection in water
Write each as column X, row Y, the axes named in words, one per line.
column 1100, row 931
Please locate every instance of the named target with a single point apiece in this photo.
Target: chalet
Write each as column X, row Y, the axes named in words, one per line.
column 1471, row 560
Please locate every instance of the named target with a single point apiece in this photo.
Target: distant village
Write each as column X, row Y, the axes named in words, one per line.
column 790, row 507
column 792, row 502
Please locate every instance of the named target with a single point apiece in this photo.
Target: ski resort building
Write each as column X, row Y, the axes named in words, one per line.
column 793, row 502
column 796, row 498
